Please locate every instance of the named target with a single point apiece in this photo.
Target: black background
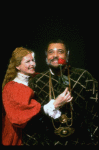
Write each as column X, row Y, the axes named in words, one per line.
column 33, row 25
column 33, row 29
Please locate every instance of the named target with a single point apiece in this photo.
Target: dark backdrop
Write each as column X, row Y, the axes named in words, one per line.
column 35, row 33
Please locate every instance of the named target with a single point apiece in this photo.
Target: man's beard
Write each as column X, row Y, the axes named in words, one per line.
column 50, row 65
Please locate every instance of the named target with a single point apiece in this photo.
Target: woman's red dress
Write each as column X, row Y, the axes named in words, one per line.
column 20, row 107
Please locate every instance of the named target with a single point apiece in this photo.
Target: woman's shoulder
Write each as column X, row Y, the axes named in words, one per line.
column 9, row 87
column 12, row 85
column 17, row 88
column 9, row 84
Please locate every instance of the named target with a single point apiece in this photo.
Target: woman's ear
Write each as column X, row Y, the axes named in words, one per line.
column 18, row 67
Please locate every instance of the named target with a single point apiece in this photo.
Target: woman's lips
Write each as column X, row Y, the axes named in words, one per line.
column 31, row 68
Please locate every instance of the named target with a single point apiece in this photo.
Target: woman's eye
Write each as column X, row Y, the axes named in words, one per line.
column 28, row 61
column 33, row 60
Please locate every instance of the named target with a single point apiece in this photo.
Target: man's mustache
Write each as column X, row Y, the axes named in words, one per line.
column 53, row 59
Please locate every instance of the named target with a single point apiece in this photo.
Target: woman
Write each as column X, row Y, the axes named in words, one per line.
column 17, row 97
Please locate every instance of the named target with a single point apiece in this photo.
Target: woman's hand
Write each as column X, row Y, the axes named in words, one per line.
column 63, row 98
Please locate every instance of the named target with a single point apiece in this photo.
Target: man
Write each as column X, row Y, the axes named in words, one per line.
column 78, row 122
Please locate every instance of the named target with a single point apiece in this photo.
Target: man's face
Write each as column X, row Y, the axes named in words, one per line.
column 54, row 52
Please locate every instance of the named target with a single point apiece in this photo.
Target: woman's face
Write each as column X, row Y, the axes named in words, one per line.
column 27, row 65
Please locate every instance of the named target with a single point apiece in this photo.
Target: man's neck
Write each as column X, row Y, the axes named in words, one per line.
column 56, row 71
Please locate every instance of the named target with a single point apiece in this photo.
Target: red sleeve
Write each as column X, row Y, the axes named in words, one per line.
column 19, row 104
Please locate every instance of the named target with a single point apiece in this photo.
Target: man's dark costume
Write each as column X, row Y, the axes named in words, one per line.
column 81, row 115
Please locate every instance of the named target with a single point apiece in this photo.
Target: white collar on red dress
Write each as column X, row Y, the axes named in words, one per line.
column 21, row 78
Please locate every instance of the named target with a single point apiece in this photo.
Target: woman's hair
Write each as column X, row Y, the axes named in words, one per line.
column 15, row 61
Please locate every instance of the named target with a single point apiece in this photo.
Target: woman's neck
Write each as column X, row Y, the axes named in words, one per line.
column 21, row 78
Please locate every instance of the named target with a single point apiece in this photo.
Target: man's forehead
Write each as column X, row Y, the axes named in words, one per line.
column 56, row 46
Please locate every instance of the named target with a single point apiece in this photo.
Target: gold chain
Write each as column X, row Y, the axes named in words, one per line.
column 63, row 118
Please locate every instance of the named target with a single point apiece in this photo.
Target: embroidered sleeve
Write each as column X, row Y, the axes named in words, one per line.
column 92, row 105
column 92, row 89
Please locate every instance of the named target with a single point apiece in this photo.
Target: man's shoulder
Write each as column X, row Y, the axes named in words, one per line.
column 81, row 73
column 39, row 78
column 77, row 70
column 40, row 75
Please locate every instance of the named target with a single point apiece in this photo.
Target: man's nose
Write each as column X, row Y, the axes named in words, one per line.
column 55, row 54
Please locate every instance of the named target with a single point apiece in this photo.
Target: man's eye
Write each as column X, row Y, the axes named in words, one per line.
column 61, row 51
column 50, row 52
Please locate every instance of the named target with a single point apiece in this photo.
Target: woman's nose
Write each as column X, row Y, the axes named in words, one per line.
column 32, row 63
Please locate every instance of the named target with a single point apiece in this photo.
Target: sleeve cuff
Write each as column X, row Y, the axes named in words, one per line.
column 51, row 111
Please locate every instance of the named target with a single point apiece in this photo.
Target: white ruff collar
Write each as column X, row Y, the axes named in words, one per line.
column 21, row 78
column 51, row 72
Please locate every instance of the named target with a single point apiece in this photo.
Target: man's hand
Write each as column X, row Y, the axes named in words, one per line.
column 63, row 98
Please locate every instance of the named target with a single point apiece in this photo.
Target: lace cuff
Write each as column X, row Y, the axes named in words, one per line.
column 51, row 111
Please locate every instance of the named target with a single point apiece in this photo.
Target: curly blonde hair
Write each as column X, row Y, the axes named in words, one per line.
column 15, row 61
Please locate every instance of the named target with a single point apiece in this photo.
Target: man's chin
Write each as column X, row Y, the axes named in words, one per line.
column 53, row 66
